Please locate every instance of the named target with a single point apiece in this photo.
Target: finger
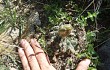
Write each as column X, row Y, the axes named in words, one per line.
column 30, row 55
column 83, row 65
column 40, row 55
column 23, row 59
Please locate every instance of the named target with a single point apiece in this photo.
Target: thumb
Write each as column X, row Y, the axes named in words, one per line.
column 83, row 65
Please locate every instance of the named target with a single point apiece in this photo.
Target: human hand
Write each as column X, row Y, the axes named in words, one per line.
column 34, row 58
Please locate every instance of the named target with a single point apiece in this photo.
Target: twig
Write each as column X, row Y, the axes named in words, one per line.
column 86, row 8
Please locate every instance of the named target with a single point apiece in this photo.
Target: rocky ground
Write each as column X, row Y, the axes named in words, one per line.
column 61, row 50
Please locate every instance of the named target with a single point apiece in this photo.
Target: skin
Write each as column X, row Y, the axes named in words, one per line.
column 34, row 58
column 83, row 65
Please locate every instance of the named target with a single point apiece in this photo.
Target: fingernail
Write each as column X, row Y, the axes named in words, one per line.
column 88, row 61
column 34, row 41
column 22, row 42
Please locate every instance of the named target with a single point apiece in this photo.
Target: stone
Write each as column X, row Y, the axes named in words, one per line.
column 34, row 19
column 104, row 55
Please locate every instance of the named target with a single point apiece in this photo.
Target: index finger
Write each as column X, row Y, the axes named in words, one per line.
column 40, row 55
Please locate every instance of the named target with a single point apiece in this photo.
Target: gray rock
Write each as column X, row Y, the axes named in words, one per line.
column 34, row 19
column 9, row 35
column 104, row 54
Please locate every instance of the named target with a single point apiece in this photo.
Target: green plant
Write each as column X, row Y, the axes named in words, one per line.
column 90, row 38
column 82, row 20
column 8, row 16
column 11, row 18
